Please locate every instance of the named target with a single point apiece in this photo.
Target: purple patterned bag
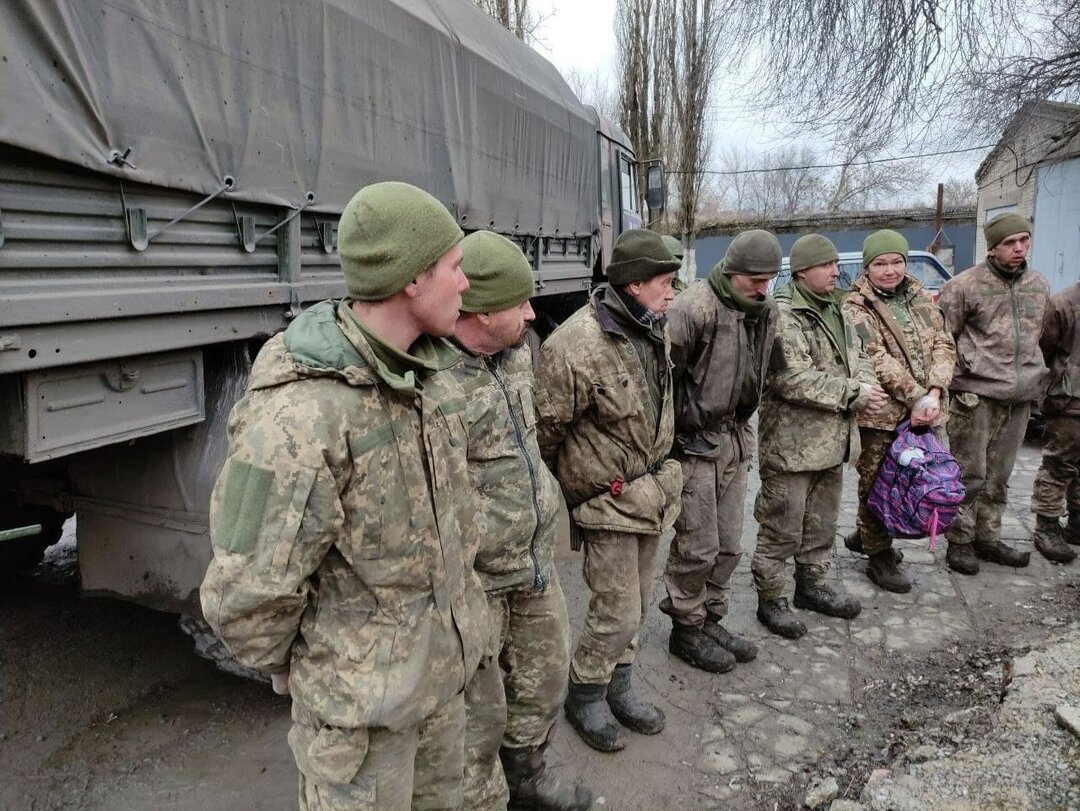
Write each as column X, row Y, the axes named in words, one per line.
column 919, row 488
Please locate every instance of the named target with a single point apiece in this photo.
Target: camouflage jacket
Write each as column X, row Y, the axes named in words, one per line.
column 996, row 325
column 814, row 388
column 597, row 426
column 518, row 498
column 711, row 355
column 1060, row 344
column 908, row 363
column 339, row 523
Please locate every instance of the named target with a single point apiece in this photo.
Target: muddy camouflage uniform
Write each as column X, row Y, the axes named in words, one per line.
column 339, row 524
column 996, row 319
column 806, row 431
column 713, row 358
column 1057, row 484
column 599, row 425
column 911, row 353
column 512, row 701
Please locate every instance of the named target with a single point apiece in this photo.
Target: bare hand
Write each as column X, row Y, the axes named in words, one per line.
column 878, row 398
column 926, row 410
column 280, row 683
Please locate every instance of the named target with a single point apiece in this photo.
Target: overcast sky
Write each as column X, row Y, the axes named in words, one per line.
column 579, row 34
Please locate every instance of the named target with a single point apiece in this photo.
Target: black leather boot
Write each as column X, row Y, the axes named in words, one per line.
column 694, row 647
column 778, row 618
column 632, row 712
column 1049, row 540
column 853, row 542
column 1071, row 533
column 997, row 552
column 590, row 715
column 824, row 600
column 961, row 558
column 532, row 786
column 883, row 571
column 742, row 649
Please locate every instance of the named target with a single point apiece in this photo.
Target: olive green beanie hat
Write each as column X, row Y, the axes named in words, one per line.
column 1003, row 226
column 498, row 272
column 811, row 250
column 883, row 241
column 674, row 245
column 639, row 255
column 753, row 253
column 388, row 235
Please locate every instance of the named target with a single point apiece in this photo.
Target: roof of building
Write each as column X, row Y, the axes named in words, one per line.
column 1057, row 147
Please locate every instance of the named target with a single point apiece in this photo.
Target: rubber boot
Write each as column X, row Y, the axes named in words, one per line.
column 997, row 552
column 742, row 649
column 690, row 643
column 1049, row 541
column 961, row 558
column 590, row 715
column 882, row 570
column 532, row 786
column 778, row 618
column 1071, row 533
column 824, row 600
column 632, row 712
column 853, row 542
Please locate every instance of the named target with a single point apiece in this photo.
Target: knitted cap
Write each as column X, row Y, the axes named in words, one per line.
column 1004, row 226
column 639, row 255
column 753, row 253
column 810, row 250
column 674, row 245
column 388, row 235
column 498, row 272
column 883, row 241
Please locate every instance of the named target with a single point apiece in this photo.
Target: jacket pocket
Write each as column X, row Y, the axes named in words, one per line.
column 333, row 757
column 613, row 398
column 648, row 505
column 376, row 483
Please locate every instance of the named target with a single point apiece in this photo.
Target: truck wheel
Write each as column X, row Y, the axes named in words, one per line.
column 21, row 554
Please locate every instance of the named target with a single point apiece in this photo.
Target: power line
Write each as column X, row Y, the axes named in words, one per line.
column 830, row 165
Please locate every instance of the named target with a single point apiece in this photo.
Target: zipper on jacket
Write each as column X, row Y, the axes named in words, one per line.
column 538, row 578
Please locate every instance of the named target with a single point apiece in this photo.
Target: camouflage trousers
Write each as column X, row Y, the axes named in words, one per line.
column 985, row 436
column 1057, row 484
column 706, row 548
column 513, row 701
column 419, row 767
column 797, row 515
column 619, row 569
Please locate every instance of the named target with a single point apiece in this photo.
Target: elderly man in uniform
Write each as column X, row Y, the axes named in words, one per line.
column 995, row 312
column 606, row 422
column 340, row 520
column 721, row 338
column 819, row 378
column 512, row 702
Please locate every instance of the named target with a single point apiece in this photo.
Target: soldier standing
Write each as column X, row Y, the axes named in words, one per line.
column 606, row 421
column 674, row 244
column 339, row 519
column 721, row 338
column 511, row 714
column 1057, row 484
column 995, row 313
column 819, row 378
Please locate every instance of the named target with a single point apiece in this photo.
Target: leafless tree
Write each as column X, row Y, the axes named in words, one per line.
column 513, row 15
column 593, row 88
column 960, row 192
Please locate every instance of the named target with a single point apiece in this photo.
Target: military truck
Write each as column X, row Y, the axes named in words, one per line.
column 171, row 175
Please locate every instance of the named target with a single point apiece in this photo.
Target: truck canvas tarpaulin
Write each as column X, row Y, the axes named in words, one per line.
column 300, row 97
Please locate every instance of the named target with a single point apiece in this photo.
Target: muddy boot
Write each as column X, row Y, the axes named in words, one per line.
column 690, row 644
column 883, row 572
column 533, row 787
column 961, row 558
column 742, row 649
column 590, row 715
column 632, row 712
column 1071, row 533
column 822, row 599
column 1049, row 541
column 853, row 541
column 778, row 618
column 997, row 552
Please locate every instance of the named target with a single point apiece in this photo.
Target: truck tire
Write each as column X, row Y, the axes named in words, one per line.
column 23, row 554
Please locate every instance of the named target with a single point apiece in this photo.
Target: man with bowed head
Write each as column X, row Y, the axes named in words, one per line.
column 994, row 311
column 722, row 335
column 606, row 421
column 342, row 516
column 513, row 700
column 819, row 379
